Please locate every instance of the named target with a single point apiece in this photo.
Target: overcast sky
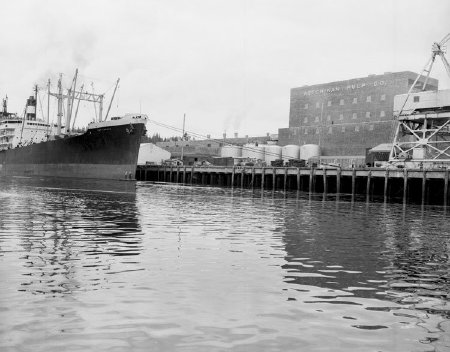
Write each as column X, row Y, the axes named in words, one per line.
column 229, row 65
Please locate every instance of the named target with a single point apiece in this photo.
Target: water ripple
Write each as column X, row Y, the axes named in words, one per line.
column 107, row 266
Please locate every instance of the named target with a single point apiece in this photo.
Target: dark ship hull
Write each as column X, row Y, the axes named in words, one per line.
column 108, row 152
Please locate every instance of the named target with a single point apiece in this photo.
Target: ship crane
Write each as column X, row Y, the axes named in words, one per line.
column 422, row 136
column 73, row 95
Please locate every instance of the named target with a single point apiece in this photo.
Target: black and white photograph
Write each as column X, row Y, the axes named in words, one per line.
column 225, row 176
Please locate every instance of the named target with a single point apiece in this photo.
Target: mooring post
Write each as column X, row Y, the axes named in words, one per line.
column 369, row 176
column 263, row 172
column 298, row 179
column 242, row 177
column 171, row 173
column 285, row 178
column 405, row 185
column 178, row 173
column 274, row 173
column 324, row 180
column 203, row 178
column 338, row 180
column 424, row 184
column 311, row 176
column 253, row 177
column 386, row 181
column 232, row 177
column 164, row 174
column 353, row 180
column 192, row 174
column 446, row 187
column 184, row 174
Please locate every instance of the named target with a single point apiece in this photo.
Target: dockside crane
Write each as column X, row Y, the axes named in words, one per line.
column 422, row 135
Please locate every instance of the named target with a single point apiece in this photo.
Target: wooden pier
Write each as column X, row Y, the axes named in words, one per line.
column 429, row 185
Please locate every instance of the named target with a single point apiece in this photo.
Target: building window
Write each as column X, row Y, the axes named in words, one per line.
column 306, row 131
column 382, row 114
column 317, row 130
column 341, row 116
column 383, row 97
column 368, row 114
column 355, row 100
column 305, row 120
column 330, row 130
column 369, row 99
column 317, row 119
column 355, row 115
column 208, row 145
column 306, row 106
column 341, row 102
column 343, row 128
column 329, row 118
column 329, row 103
column 370, row 127
column 416, row 99
column 356, row 128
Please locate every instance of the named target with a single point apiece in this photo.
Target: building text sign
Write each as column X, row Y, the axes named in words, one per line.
column 348, row 87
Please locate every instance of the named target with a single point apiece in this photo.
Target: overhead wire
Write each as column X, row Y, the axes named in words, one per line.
column 197, row 135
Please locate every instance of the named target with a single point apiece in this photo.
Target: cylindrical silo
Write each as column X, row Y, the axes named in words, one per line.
column 290, row 152
column 253, row 151
column 309, row 151
column 233, row 151
column 272, row 153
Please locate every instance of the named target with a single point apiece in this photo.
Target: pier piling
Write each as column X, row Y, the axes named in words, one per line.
column 401, row 184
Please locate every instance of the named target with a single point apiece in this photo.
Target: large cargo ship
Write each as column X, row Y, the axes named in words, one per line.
column 106, row 149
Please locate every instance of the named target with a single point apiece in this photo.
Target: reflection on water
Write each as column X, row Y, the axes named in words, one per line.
column 93, row 265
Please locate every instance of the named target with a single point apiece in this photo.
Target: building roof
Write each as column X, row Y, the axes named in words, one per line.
column 382, row 148
column 400, row 74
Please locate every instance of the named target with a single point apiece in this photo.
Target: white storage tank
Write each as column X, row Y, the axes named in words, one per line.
column 253, row 151
column 309, row 151
column 272, row 153
column 290, row 152
column 233, row 151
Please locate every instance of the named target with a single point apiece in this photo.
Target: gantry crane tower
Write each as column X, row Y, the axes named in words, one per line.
column 422, row 136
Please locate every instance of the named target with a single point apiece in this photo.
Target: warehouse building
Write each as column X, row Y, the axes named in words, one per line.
column 346, row 118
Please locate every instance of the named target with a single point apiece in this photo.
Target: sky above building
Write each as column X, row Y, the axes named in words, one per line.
column 228, row 65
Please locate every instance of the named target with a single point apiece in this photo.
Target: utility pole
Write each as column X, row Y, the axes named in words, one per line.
column 182, row 139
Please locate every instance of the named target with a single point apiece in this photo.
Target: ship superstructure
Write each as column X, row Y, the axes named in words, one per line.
column 18, row 131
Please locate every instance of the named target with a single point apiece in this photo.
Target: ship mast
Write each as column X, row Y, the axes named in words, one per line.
column 70, row 100
column 112, row 98
column 48, row 103
column 73, row 95
column 59, row 96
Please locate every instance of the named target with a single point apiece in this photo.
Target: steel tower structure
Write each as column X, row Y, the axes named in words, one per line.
column 422, row 136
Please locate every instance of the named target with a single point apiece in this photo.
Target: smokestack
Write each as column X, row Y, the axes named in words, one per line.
column 31, row 108
column 235, row 135
column 208, row 136
column 268, row 134
column 224, row 135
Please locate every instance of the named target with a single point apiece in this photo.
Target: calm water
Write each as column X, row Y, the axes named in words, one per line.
column 95, row 266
